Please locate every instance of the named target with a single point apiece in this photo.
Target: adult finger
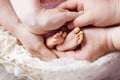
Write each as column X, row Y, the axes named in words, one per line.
column 83, row 20
column 62, row 18
column 72, row 5
column 68, row 16
column 69, row 4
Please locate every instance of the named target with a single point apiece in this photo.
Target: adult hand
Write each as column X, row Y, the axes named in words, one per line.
column 51, row 19
column 95, row 12
column 33, row 43
column 96, row 43
column 39, row 19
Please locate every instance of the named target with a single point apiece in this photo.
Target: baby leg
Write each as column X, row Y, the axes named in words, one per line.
column 58, row 38
column 73, row 39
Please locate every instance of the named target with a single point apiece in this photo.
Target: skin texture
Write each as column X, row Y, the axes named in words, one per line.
column 108, row 43
column 93, row 46
column 72, row 40
column 93, row 13
column 13, row 24
column 97, row 42
column 39, row 19
column 64, row 41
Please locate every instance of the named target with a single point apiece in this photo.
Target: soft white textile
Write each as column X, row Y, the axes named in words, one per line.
column 18, row 61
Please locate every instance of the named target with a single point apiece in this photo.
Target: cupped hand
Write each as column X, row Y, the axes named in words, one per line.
column 95, row 45
column 33, row 43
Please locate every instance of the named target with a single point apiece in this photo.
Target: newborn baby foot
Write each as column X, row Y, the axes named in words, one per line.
column 58, row 38
column 73, row 39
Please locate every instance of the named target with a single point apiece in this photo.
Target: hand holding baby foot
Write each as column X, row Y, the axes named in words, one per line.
column 34, row 43
column 96, row 43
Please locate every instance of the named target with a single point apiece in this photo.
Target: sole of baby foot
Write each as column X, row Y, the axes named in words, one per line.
column 73, row 39
column 56, row 39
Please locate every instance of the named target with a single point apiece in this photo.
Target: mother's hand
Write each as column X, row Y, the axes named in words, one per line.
column 94, row 45
column 33, row 43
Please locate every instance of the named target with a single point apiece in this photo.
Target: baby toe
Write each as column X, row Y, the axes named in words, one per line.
column 60, row 33
column 80, row 40
column 55, row 36
column 81, row 33
column 64, row 34
column 76, row 30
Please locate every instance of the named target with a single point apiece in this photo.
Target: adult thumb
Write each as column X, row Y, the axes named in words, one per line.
column 83, row 20
column 69, row 16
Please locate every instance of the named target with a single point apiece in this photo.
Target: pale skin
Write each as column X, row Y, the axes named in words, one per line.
column 27, row 33
column 64, row 41
column 73, row 39
column 39, row 19
column 11, row 22
column 97, row 41
column 50, row 19
column 93, row 12
column 82, row 54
